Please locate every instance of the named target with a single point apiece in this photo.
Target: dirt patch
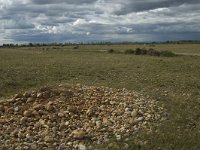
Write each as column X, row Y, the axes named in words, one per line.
column 73, row 116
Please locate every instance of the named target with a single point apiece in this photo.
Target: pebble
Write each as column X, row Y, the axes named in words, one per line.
column 27, row 94
column 19, row 95
column 49, row 106
column 61, row 114
column 134, row 113
column 98, row 124
column 118, row 137
column 48, row 139
column 82, row 147
column 78, row 134
column 23, row 120
column 126, row 146
column 30, row 99
column 16, row 109
column 67, row 123
column 27, row 113
column 33, row 146
column 139, row 119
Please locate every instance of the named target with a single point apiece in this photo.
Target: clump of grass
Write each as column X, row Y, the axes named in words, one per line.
column 111, row 51
column 129, row 51
column 76, row 47
column 167, row 54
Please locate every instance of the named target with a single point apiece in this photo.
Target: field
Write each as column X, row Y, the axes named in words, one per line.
column 173, row 81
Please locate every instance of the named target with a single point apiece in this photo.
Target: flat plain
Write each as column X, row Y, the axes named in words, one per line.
column 173, row 81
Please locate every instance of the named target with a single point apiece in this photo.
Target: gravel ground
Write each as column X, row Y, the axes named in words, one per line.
column 74, row 117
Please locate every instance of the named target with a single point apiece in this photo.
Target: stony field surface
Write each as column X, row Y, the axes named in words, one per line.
column 74, row 117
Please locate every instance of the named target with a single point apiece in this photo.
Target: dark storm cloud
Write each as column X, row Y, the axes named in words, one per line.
column 141, row 5
column 62, row 1
column 98, row 20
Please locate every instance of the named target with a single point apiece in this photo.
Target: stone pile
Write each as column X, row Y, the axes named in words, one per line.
column 73, row 116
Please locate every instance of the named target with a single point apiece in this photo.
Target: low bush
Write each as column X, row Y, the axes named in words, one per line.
column 140, row 51
column 76, row 47
column 153, row 52
column 150, row 52
column 111, row 51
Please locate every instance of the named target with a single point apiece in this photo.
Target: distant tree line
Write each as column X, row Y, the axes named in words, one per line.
column 98, row 43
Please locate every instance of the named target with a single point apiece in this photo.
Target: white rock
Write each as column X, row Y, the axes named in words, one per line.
column 67, row 123
column 112, row 102
column 126, row 146
column 16, row 109
column 98, row 123
column 127, row 109
column 69, row 143
column 118, row 137
column 139, row 119
column 82, row 147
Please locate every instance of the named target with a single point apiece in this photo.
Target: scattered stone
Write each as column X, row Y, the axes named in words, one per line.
column 19, row 95
column 27, row 113
column 38, row 107
column 67, row 123
column 126, row 146
column 61, row 114
column 30, row 99
column 78, row 134
column 49, row 106
column 98, row 124
column 140, row 119
column 16, row 109
column 39, row 95
column 27, row 94
column 33, row 146
column 48, row 139
column 23, row 120
column 118, row 137
column 82, row 147
column 78, row 117
column 134, row 113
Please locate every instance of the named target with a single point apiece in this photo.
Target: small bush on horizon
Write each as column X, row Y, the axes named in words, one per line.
column 76, row 47
column 111, row 51
column 150, row 52
column 140, row 51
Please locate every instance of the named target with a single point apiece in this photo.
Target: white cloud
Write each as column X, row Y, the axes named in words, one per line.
column 79, row 22
column 88, row 33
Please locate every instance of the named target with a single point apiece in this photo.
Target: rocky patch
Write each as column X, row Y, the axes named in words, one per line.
column 73, row 117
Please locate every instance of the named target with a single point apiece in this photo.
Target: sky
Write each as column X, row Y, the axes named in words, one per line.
column 45, row 21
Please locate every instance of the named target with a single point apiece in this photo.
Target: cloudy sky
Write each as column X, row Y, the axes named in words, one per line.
column 98, row 20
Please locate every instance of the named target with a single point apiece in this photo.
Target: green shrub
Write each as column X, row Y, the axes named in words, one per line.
column 140, row 51
column 150, row 52
column 76, row 47
column 111, row 51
